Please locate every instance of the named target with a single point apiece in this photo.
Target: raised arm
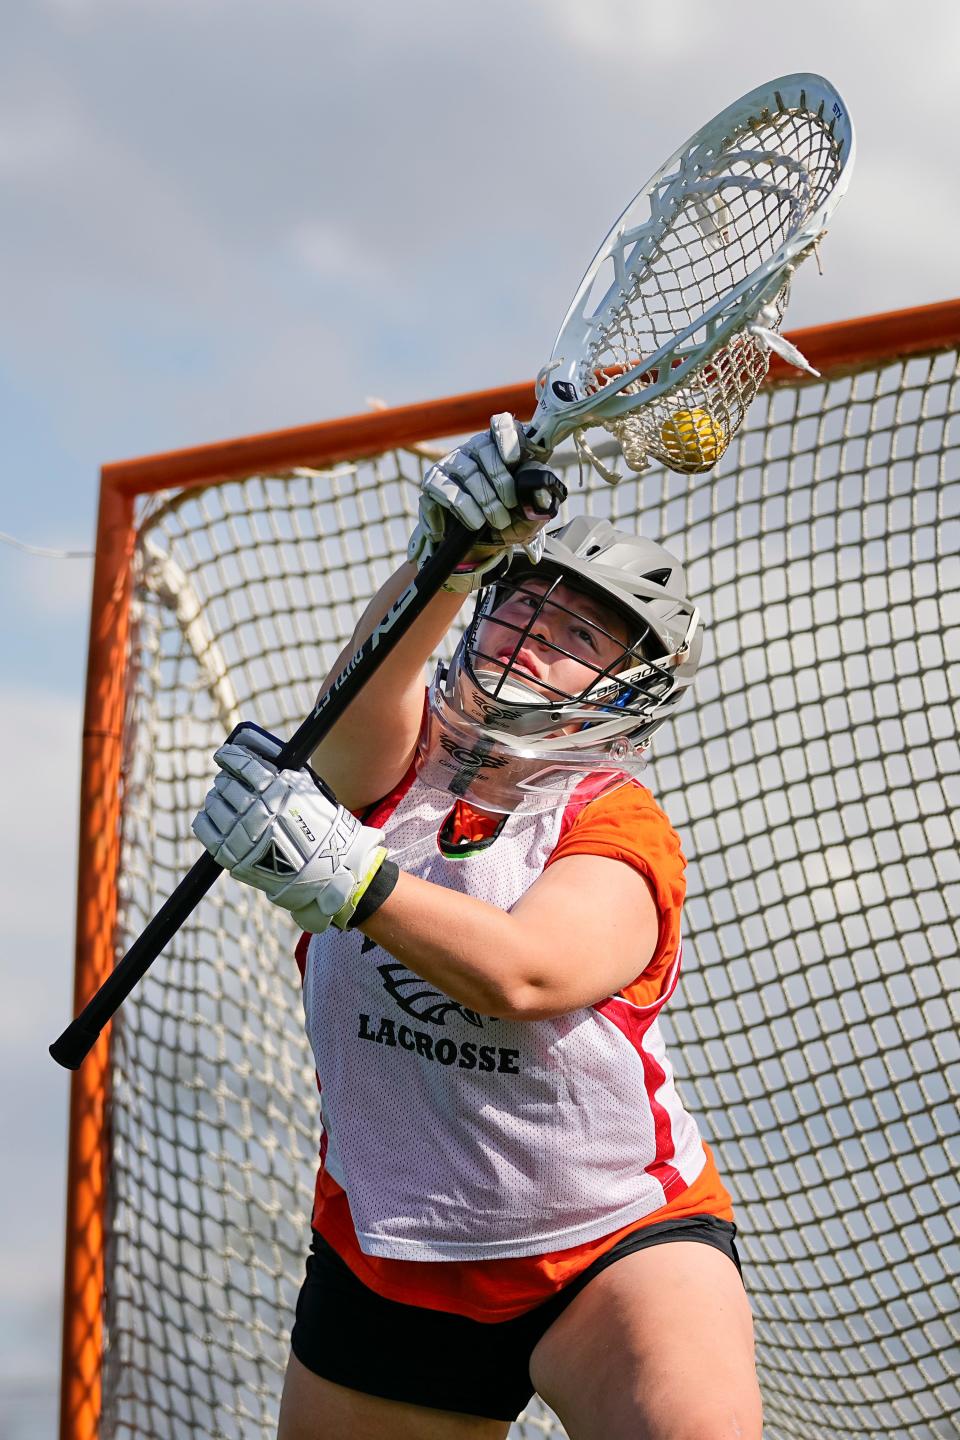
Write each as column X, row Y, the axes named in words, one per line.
column 369, row 751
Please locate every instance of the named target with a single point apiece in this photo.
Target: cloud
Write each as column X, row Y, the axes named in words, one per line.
column 325, row 249
column 212, row 225
column 620, row 34
column 33, row 144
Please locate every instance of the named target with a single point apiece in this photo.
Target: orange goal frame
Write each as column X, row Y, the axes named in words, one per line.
column 835, row 349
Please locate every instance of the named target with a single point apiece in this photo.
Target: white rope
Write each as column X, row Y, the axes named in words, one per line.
column 44, row 551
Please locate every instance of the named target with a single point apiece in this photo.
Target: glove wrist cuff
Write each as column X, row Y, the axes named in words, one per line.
column 379, row 888
column 473, row 575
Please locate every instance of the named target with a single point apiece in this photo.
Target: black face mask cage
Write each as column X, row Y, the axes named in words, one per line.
column 648, row 684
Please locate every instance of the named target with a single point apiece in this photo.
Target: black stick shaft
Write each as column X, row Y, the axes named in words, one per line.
column 76, row 1042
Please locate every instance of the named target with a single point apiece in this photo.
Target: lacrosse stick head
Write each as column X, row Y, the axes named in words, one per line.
column 670, row 334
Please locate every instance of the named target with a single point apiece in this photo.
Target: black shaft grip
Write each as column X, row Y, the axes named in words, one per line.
column 539, row 491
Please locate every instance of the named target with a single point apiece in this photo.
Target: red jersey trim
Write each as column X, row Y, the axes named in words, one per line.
column 634, row 1021
column 300, row 954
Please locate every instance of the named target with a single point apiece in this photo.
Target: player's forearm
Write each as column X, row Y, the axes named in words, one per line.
column 368, row 750
column 474, row 952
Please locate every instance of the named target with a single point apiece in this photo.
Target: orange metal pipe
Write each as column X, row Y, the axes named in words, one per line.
column 845, row 345
column 322, row 444
column 872, row 340
column 99, row 854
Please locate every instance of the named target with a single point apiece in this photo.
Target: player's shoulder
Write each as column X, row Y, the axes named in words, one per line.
column 626, row 806
column 625, row 797
column 626, row 823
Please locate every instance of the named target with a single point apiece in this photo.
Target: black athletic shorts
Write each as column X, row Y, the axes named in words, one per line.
column 352, row 1336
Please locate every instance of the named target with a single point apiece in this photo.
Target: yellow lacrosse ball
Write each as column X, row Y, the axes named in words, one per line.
column 692, row 440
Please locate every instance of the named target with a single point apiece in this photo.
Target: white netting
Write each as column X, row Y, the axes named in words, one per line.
column 815, row 782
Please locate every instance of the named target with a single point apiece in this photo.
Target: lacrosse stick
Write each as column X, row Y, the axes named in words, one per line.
column 692, row 284
column 670, row 334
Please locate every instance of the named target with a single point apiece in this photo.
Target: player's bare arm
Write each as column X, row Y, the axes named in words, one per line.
column 371, row 748
column 369, row 751
column 552, row 953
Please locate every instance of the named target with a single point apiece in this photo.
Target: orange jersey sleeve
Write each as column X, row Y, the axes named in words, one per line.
column 627, row 824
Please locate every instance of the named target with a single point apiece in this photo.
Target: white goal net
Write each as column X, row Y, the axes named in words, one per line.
column 815, row 781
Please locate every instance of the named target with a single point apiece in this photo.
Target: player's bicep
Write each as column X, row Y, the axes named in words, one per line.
column 594, row 928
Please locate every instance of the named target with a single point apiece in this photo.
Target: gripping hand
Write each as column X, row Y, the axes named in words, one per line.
column 476, row 485
column 284, row 832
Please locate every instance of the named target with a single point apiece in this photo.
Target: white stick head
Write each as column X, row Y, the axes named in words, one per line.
column 655, row 344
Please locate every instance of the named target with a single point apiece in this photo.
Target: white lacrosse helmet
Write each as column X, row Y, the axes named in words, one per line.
column 506, row 739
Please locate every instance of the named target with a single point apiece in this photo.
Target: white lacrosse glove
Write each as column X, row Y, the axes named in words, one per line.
column 284, row 832
column 475, row 483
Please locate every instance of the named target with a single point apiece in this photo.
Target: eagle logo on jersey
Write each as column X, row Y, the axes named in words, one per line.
column 415, row 998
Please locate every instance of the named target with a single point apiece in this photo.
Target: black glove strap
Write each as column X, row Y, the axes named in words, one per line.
column 380, row 889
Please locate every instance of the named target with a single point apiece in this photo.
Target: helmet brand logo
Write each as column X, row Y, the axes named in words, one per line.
column 473, row 759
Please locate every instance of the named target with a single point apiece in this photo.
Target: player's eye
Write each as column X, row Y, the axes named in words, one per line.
column 583, row 633
column 526, row 602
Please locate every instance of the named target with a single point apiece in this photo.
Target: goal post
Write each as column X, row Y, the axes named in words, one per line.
column 814, row 1031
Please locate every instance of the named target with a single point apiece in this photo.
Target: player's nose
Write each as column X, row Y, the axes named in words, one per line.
column 541, row 634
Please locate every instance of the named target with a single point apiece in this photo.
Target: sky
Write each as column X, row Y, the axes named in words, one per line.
column 220, row 217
